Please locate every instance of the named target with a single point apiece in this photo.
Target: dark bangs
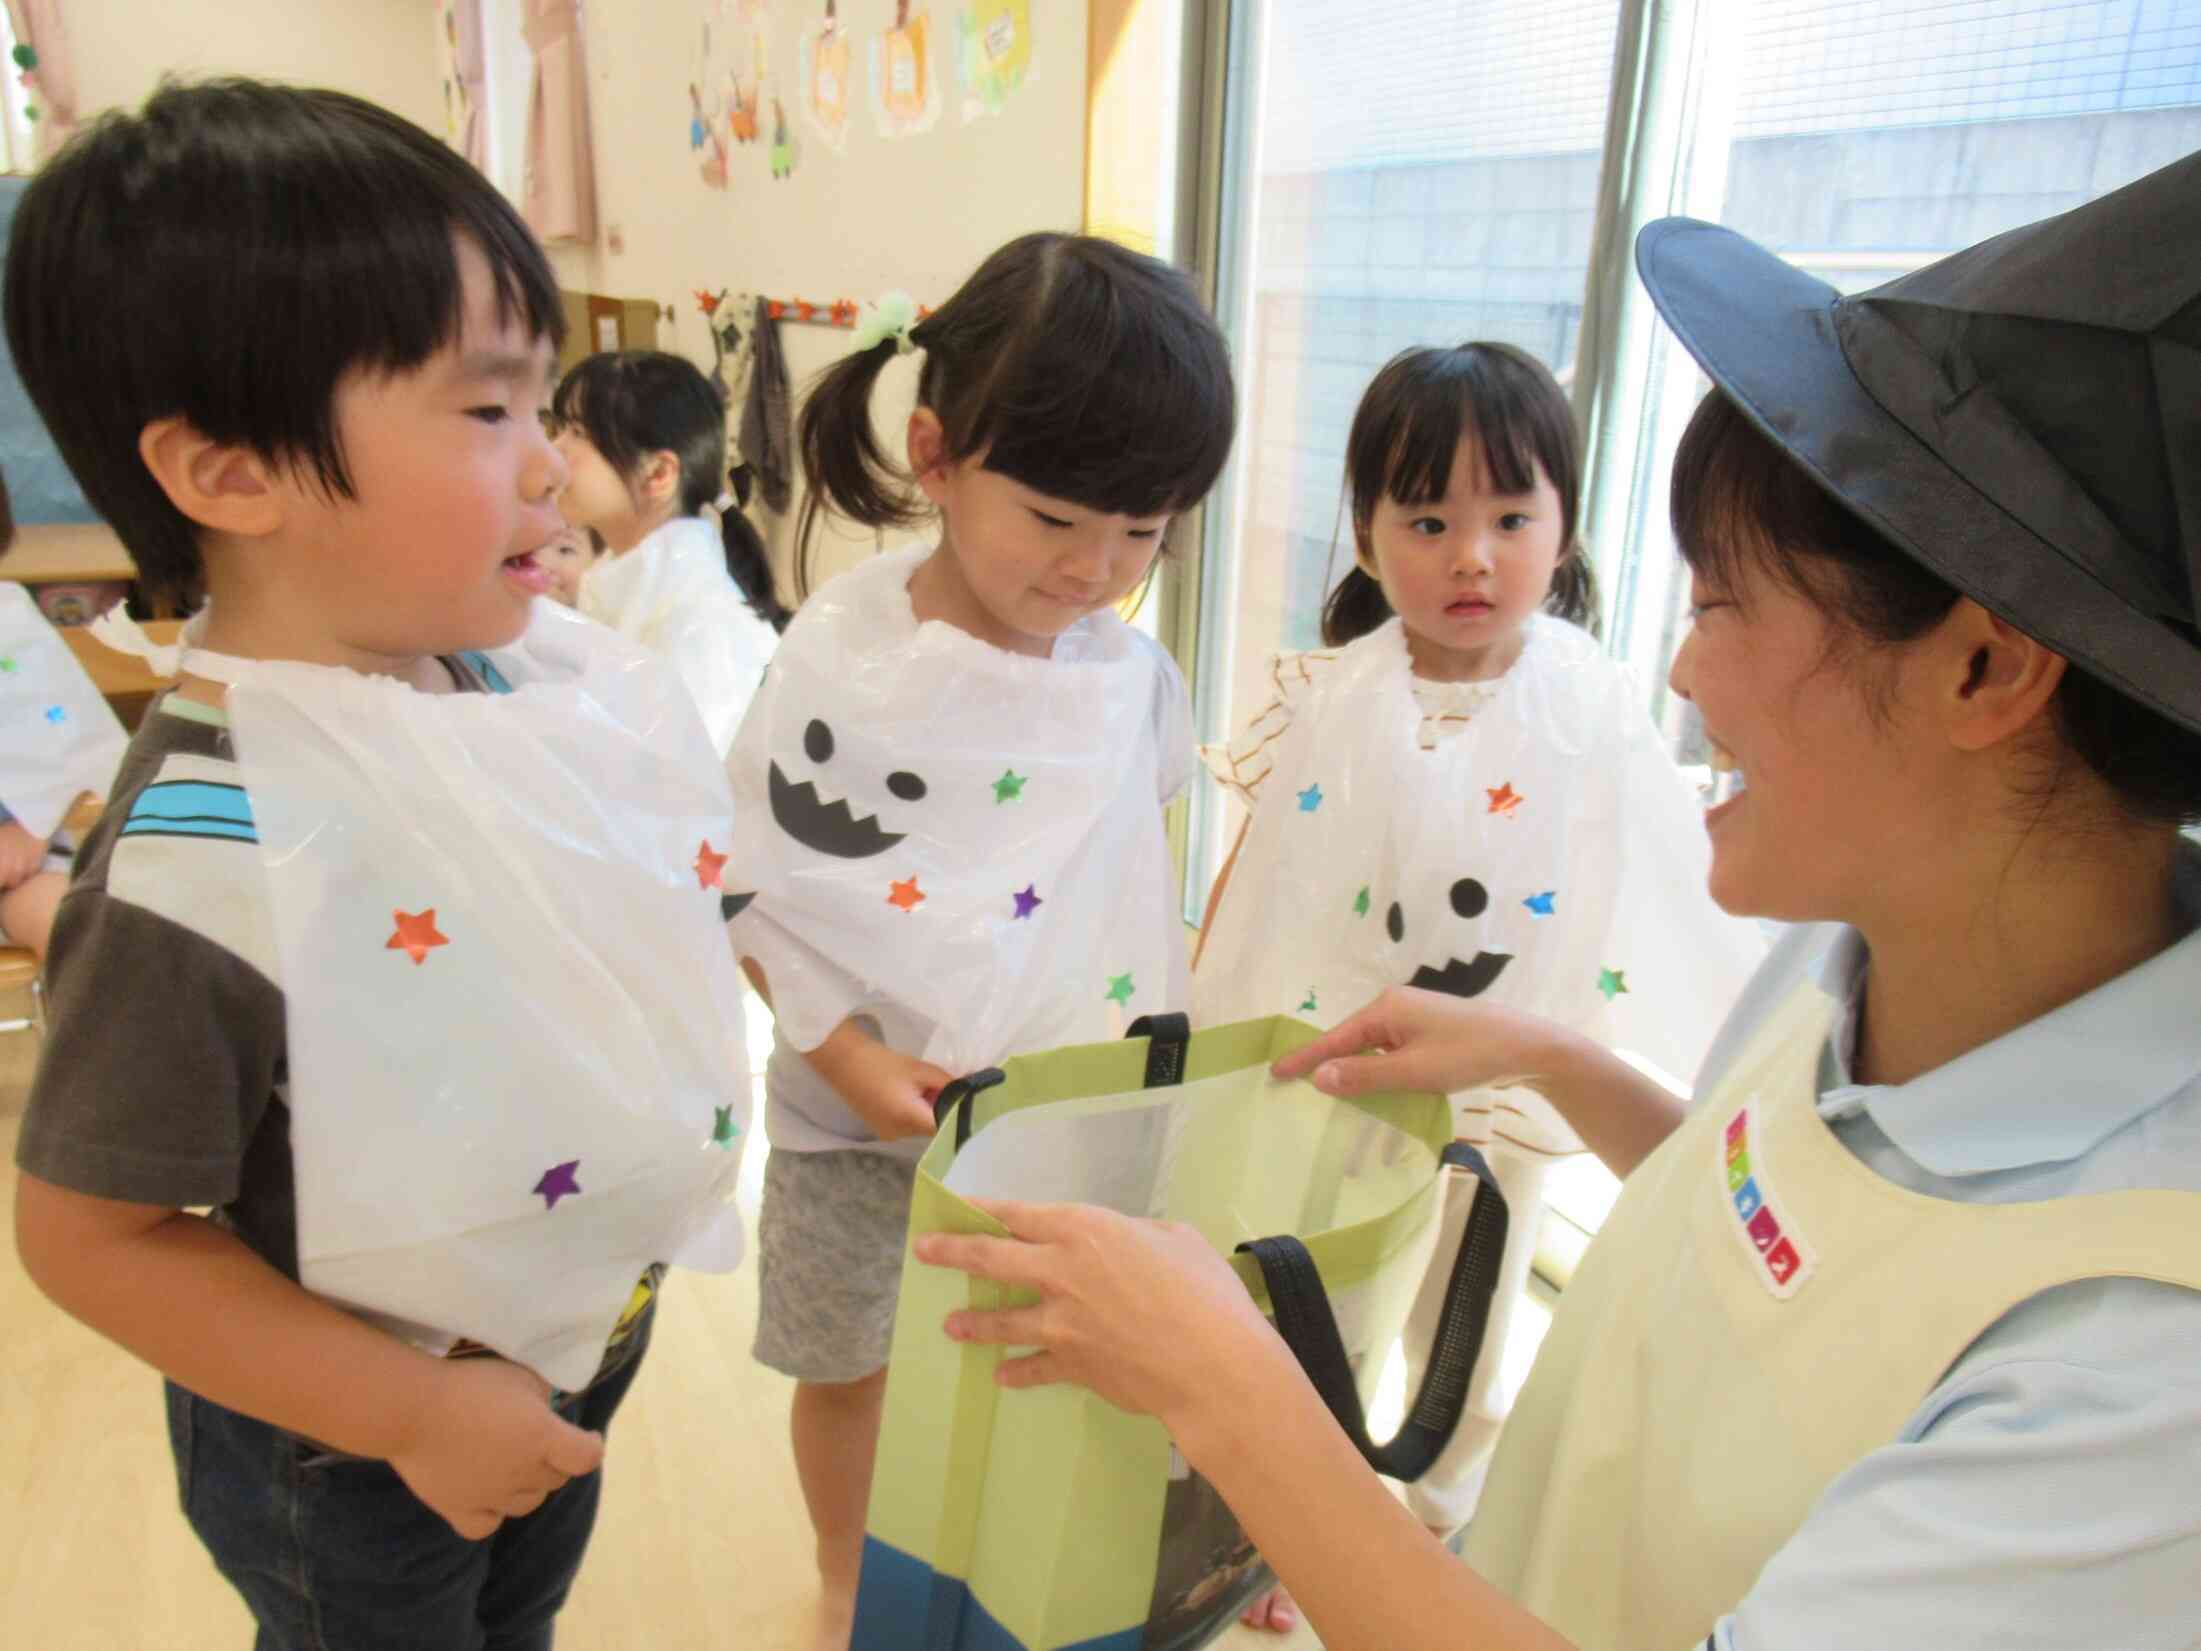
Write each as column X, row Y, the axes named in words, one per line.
column 632, row 403
column 1740, row 504
column 1084, row 371
column 1410, row 423
column 228, row 255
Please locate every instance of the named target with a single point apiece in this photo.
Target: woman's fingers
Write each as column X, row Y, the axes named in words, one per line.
column 1002, row 1260
column 1007, row 1327
column 1350, row 1036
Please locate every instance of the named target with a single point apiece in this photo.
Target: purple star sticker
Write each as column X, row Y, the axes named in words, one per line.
column 1028, row 902
column 557, row 1182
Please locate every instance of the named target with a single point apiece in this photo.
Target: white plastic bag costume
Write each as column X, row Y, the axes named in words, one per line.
column 672, row 594
column 969, row 833
column 515, row 1047
column 1525, row 842
column 62, row 737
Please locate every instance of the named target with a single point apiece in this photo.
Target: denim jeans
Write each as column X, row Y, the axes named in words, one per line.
column 334, row 1553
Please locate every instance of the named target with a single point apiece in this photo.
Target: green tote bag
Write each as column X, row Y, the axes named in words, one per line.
column 1046, row 1519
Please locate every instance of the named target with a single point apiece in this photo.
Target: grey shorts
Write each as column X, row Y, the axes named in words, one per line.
column 829, row 1261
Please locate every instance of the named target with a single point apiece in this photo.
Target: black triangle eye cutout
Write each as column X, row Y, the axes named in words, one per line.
column 1394, row 923
column 1469, row 898
column 817, row 742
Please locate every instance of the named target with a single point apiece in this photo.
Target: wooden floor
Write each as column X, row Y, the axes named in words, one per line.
column 702, row 1545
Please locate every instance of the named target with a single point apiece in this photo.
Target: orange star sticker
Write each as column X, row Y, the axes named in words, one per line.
column 1504, row 799
column 708, row 866
column 907, row 895
column 416, row 937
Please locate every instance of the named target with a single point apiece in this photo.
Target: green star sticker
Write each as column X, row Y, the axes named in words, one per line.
column 1612, row 982
column 1010, row 786
column 1308, row 1007
column 7, row 664
column 723, row 1128
column 1360, row 902
column 1120, row 988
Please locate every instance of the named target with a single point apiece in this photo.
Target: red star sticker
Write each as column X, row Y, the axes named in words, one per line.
column 708, row 866
column 1503, row 798
column 416, row 937
column 907, row 895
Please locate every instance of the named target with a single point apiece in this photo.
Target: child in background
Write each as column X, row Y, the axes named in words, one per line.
column 1462, row 792
column 567, row 559
column 949, row 792
column 393, row 1441
column 643, row 434
column 63, row 740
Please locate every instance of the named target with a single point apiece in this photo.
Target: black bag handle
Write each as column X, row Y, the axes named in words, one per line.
column 1170, row 1036
column 1309, row 1329
column 956, row 1096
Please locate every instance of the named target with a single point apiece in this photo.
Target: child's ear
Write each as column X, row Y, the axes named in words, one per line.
column 660, row 476
column 928, row 452
column 1364, row 556
column 229, row 489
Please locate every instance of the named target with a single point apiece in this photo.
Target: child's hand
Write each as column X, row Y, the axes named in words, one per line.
column 490, row 1448
column 892, row 1092
column 21, row 854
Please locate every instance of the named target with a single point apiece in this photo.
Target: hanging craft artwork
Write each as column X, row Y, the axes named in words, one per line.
column 725, row 84
column 905, row 90
column 783, row 142
column 745, row 88
column 824, row 69
column 993, row 53
column 447, row 53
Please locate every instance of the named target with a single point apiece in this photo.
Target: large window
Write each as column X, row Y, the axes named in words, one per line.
column 1425, row 173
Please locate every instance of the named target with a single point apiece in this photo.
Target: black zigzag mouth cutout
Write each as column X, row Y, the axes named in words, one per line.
column 1463, row 979
column 828, row 828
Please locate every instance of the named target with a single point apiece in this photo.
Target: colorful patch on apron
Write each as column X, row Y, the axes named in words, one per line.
column 1778, row 1254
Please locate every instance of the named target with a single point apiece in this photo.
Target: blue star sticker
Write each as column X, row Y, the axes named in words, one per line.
column 56, row 715
column 1311, row 798
column 1540, row 904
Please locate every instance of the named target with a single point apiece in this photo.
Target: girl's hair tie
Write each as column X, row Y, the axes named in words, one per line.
column 893, row 316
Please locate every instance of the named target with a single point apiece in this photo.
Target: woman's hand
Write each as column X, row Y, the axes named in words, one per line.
column 1142, row 1312
column 1411, row 1039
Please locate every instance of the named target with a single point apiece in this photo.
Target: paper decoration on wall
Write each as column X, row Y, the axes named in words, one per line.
column 905, row 89
column 783, row 142
column 447, row 52
column 824, row 69
column 993, row 53
column 726, row 84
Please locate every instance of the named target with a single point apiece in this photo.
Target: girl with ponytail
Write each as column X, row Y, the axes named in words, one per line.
column 643, row 434
column 948, row 795
column 1464, row 794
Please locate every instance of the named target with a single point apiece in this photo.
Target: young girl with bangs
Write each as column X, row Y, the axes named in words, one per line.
column 949, row 835
column 1461, row 792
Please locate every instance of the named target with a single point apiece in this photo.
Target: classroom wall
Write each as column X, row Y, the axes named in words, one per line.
column 383, row 50
column 917, row 213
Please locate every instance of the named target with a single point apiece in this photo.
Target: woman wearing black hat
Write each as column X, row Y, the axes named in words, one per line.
column 1894, row 1337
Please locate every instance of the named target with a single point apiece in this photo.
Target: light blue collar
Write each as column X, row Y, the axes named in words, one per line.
column 2044, row 1094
